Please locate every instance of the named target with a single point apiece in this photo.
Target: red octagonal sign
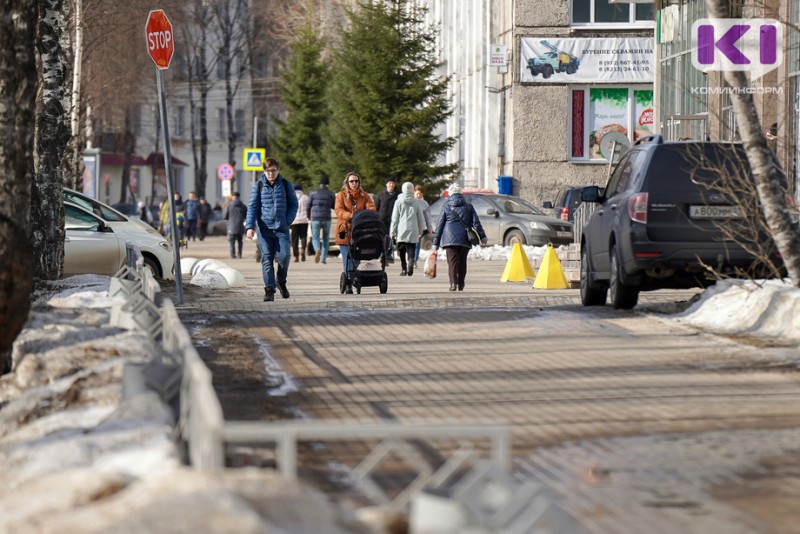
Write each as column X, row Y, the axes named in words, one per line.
column 160, row 44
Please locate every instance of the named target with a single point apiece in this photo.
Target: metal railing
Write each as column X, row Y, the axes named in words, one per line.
column 202, row 426
column 580, row 217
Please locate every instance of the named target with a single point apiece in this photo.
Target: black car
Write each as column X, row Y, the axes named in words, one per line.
column 673, row 215
column 567, row 201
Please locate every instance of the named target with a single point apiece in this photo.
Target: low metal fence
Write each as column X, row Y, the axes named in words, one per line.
column 201, row 425
column 580, row 217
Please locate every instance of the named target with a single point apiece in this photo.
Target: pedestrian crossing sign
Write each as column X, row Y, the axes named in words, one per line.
column 254, row 159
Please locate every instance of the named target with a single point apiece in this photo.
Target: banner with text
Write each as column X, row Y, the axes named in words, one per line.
column 609, row 60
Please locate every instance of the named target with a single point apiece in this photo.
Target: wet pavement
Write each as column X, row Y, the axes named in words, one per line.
column 640, row 424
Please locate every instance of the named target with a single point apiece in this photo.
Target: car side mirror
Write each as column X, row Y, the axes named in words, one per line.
column 590, row 194
column 547, row 205
column 492, row 212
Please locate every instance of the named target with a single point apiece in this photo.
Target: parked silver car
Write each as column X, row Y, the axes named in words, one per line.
column 508, row 219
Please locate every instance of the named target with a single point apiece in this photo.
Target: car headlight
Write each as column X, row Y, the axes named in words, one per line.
column 539, row 226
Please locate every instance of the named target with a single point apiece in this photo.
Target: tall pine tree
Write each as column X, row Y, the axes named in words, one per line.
column 386, row 99
column 298, row 143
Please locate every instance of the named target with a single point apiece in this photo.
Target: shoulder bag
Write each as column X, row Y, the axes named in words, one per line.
column 472, row 234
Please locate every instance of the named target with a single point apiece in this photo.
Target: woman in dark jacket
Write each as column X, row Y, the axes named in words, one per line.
column 451, row 235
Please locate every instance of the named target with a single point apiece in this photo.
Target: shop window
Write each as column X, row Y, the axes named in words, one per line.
column 603, row 12
column 597, row 111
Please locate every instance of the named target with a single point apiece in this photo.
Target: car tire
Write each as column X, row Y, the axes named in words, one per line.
column 155, row 269
column 547, row 71
column 623, row 296
column 514, row 236
column 592, row 294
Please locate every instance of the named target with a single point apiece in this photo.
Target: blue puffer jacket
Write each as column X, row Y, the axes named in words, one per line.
column 450, row 231
column 275, row 207
column 320, row 204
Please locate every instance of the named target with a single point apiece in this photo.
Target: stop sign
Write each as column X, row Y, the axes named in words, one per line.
column 160, row 44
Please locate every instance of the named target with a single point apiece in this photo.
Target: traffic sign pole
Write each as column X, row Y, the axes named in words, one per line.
column 176, row 246
column 161, row 46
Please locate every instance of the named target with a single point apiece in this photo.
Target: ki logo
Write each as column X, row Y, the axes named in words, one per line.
column 752, row 45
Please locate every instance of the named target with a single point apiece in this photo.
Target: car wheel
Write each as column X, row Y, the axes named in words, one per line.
column 547, row 71
column 155, row 270
column 426, row 243
column 514, row 236
column 591, row 295
column 622, row 296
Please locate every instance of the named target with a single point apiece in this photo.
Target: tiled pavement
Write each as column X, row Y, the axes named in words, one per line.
column 634, row 419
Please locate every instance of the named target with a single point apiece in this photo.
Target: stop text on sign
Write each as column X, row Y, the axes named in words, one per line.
column 159, row 38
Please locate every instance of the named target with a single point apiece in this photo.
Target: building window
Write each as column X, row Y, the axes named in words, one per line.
column 221, row 129
column 603, row 12
column 239, row 125
column 179, row 122
column 598, row 111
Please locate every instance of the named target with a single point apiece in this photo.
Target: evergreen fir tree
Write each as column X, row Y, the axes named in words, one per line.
column 298, row 143
column 386, row 100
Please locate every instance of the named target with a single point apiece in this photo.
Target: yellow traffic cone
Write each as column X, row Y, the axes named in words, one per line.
column 551, row 275
column 518, row 268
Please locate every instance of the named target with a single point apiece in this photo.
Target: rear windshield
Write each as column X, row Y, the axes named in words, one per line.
column 682, row 167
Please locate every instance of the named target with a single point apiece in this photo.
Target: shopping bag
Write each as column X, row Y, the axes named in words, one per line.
column 430, row 266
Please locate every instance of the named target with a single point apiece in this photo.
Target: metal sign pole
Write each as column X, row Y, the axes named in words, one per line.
column 173, row 228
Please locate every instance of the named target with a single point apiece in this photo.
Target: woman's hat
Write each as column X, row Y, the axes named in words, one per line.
column 454, row 189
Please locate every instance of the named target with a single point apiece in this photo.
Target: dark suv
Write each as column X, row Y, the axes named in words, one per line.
column 567, row 201
column 671, row 216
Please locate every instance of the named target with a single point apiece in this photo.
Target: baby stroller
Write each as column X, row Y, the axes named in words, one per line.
column 368, row 241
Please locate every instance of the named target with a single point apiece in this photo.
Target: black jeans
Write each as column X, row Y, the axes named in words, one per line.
column 406, row 250
column 235, row 238
column 299, row 237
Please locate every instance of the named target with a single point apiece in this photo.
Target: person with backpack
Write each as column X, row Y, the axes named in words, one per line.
column 270, row 211
column 320, row 203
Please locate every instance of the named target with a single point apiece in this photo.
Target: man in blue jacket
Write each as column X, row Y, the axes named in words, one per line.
column 272, row 208
column 320, row 203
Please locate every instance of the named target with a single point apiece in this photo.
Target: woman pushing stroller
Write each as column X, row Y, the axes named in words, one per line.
column 350, row 199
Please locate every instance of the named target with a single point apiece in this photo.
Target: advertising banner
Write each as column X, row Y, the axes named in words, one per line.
column 606, row 60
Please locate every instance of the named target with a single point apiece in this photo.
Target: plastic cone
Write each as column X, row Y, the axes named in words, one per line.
column 551, row 275
column 518, row 268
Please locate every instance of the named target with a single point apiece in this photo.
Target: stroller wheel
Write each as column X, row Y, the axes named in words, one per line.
column 343, row 283
column 384, row 284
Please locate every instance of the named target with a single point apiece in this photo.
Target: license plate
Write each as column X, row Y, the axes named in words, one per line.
column 715, row 212
column 563, row 234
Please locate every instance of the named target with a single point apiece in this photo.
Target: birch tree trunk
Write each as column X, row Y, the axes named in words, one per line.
column 17, row 111
column 52, row 137
column 770, row 179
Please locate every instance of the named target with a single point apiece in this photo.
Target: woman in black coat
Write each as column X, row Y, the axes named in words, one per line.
column 451, row 234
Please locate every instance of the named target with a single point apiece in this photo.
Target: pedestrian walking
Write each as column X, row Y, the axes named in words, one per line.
column 419, row 192
column 407, row 225
column 144, row 213
column 191, row 211
column 235, row 213
column 300, row 224
column 350, row 199
column 451, row 233
column 272, row 207
column 320, row 203
column 205, row 216
column 384, row 203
